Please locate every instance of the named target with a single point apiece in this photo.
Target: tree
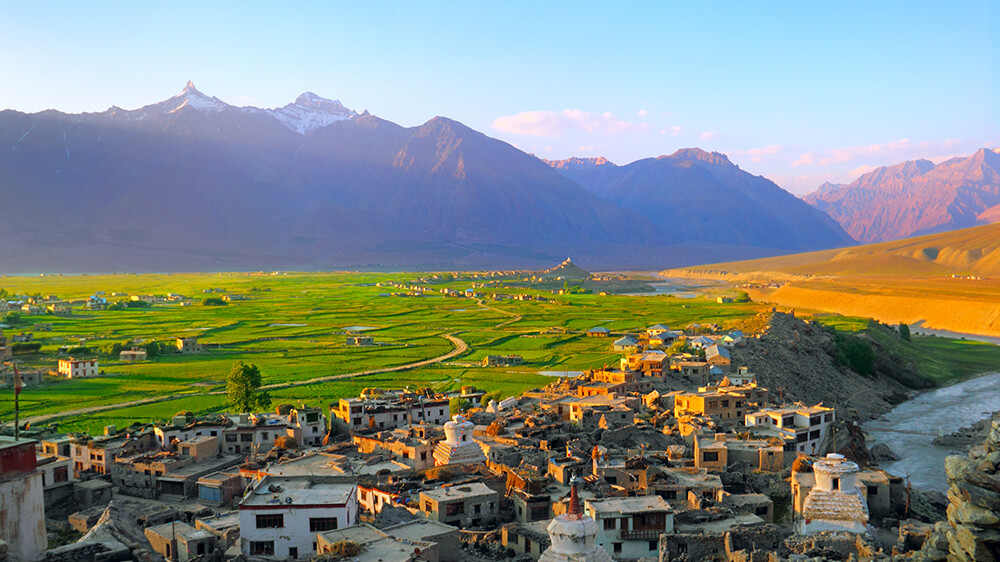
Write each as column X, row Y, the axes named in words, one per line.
column 12, row 318
column 904, row 331
column 243, row 389
column 458, row 405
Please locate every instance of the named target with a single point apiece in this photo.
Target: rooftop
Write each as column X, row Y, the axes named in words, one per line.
column 637, row 504
column 300, row 490
column 470, row 490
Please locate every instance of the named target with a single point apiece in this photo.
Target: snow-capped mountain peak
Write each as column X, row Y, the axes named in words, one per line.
column 191, row 97
column 310, row 112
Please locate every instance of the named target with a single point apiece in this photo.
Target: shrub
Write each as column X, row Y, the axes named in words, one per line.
column 213, row 301
column 904, row 331
column 856, row 353
column 12, row 318
column 21, row 348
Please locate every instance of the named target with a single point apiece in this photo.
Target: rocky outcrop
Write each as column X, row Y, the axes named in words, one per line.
column 795, row 360
column 972, row 532
column 965, row 437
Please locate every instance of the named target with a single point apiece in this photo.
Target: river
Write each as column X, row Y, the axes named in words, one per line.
column 682, row 288
column 911, row 426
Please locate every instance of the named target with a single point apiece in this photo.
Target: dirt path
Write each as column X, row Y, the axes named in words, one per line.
column 514, row 316
column 460, row 348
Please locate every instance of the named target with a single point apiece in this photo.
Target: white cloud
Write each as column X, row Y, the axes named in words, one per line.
column 558, row 123
column 708, row 135
column 902, row 149
column 642, row 113
column 676, row 130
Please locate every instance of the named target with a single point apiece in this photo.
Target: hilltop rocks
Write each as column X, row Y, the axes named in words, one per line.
column 972, row 531
column 795, row 360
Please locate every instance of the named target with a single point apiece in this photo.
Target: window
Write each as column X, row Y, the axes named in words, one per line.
column 293, row 552
column 835, row 483
column 427, row 507
column 725, row 403
column 682, row 548
column 454, row 508
column 617, row 547
column 315, row 429
column 423, row 456
column 246, row 437
column 762, row 510
column 872, row 490
column 60, row 474
column 814, row 434
column 214, row 433
column 270, row 521
column 670, row 495
column 828, row 417
column 653, row 546
column 710, row 456
column 260, row 548
column 317, row 524
column 263, row 436
column 477, row 509
column 609, row 524
column 201, row 548
column 231, row 438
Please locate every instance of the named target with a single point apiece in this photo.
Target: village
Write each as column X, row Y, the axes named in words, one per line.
column 676, row 453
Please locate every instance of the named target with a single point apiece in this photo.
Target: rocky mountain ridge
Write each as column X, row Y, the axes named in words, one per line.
column 916, row 197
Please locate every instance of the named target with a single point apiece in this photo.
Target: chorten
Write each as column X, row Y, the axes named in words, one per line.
column 458, row 446
column 835, row 503
column 574, row 535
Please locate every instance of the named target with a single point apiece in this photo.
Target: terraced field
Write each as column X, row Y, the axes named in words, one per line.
column 292, row 327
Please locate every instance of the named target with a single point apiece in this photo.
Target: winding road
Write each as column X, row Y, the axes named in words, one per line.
column 460, row 348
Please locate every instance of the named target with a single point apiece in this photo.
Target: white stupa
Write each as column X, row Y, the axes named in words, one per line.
column 835, row 503
column 574, row 535
column 458, row 446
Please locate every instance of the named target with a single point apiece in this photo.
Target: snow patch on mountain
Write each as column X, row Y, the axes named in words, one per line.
column 310, row 112
column 191, row 97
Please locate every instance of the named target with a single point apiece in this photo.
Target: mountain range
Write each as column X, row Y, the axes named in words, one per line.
column 702, row 196
column 193, row 183
column 916, row 197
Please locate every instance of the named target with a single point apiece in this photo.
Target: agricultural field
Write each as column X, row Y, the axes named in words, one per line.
column 293, row 327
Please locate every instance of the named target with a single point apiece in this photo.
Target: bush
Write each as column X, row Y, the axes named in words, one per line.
column 12, row 318
column 79, row 350
column 904, row 331
column 213, row 301
column 856, row 353
column 21, row 348
column 741, row 296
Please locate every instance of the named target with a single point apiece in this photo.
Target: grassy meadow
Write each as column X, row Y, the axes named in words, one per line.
column 292, row 326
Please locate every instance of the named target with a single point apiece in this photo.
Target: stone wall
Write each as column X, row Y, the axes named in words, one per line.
column 972, row 532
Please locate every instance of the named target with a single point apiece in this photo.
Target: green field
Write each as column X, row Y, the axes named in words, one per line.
column 292, row 327
column 942, row 360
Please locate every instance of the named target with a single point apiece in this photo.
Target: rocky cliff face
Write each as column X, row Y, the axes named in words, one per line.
column 972, row 531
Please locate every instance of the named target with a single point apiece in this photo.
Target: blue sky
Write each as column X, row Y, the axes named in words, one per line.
column 799, row 92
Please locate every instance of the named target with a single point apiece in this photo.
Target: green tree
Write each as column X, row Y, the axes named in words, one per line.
column 457, row 405
column 243, row 389
column 213, row 301
column 904, row 331
column 12, row 318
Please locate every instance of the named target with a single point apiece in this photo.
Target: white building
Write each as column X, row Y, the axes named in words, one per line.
column 806, row 426
column 631, row 527
column 279, row 519
column 458, row 446
column 358, row 414
column 573, row 535
column 73, row 368
column 22, row 501
column 836, row 502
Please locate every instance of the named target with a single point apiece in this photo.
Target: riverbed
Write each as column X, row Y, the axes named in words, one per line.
column 911, row 426
column 681, row 288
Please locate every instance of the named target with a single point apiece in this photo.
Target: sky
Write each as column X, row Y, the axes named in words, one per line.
column 799, row 92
